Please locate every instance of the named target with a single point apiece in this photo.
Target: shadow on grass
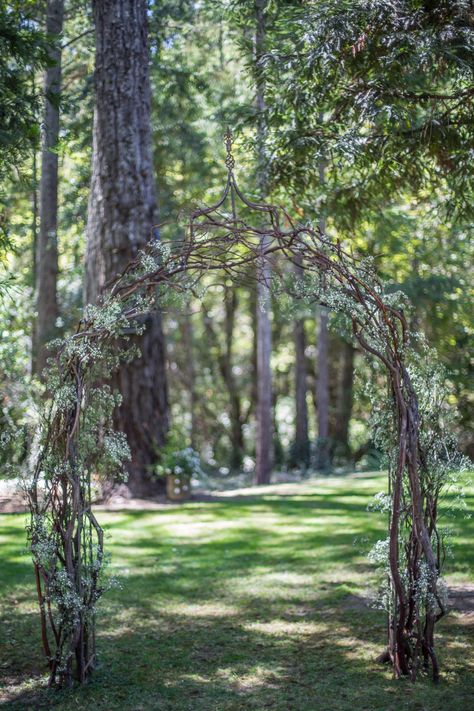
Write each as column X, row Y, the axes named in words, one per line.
column 257, row 613
column 306, row 659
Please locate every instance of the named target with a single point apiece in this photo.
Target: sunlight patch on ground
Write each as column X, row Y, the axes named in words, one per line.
column 264, row 585
column 201, row 530
column 282, row 628
column 195, row 678
column 289, row 578
column 213, row 608
column 248, row 683
column 312, row 487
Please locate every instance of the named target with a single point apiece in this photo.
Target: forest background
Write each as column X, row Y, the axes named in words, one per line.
column 367, row 133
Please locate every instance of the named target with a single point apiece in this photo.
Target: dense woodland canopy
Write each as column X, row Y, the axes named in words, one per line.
column 145, row 333
column 365, row 123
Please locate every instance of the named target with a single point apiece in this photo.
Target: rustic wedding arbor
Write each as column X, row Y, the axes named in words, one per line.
column 77, row 440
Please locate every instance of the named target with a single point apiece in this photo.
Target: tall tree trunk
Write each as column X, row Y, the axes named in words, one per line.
column 191, row 374
column 253, row 303
column 237, row 434
column 34, row 227
column 122, row 212
column 415, row 314
column 264, row 443
column 301, row 448
column 47, row 243
column 340, row 434
column 322, row 370
column 301, row 443
column 225, row 359
column 322, row 391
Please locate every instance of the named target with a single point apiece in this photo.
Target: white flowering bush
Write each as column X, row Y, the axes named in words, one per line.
column 182, row 463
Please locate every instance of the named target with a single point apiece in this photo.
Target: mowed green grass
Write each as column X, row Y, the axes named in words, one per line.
column 253, row 600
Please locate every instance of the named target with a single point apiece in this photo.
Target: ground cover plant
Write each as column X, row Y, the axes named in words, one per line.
column 250, row 600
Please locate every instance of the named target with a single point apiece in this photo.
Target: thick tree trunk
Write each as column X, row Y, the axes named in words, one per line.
column 340, row 434
column 122, row 213
column 47, row 243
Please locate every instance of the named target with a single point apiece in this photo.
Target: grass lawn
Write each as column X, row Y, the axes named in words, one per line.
column 253, row 600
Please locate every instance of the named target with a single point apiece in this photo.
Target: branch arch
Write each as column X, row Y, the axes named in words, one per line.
column 66, row 539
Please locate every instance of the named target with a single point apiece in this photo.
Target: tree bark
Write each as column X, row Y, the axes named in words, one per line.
column 122, row 213
column 34, row 229
column 264, row 442
column 322, row 372
column 225, row 359
column 340, row 435
column 47, row 243
column 188, row 337
column 301, row 443
column 235, row 403
column 301, row 448
column 322, row 391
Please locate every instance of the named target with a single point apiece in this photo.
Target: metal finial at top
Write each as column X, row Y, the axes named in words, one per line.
column 228, row 140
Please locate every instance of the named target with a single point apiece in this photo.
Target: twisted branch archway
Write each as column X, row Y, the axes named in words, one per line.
column 77, row 437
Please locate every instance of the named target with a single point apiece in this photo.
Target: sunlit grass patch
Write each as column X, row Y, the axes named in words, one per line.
column 246, row 601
